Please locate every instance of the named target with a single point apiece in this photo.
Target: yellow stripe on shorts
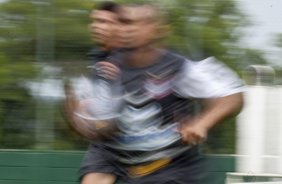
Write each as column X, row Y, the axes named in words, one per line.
column 146, row 169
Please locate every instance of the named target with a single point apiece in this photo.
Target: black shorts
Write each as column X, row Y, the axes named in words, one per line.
column 187, row 168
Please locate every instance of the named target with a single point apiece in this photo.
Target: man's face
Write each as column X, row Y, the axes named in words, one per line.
column 137, row 27
column 104, row 27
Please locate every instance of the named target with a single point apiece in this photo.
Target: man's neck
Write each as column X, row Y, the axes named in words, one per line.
column 142, row 57
column 106, row 48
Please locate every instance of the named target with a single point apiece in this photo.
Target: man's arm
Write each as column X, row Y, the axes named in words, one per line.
column 221, row 90
column 215, row 110
column 86, row 128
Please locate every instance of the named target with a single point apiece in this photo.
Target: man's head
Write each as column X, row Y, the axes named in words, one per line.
column 104, row 24
column 140, row 25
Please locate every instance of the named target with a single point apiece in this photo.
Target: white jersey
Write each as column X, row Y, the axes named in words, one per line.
column 151, row 102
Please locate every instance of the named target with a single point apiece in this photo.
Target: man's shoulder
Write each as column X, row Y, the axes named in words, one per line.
column 174, row 56
column 98, row 54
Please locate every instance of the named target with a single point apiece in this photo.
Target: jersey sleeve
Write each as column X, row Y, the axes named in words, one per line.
column 101, row 101
column 208, row 78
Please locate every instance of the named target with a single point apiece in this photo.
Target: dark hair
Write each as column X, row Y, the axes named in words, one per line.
column 108, row 6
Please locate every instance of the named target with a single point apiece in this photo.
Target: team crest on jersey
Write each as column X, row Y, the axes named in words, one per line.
column 158, row 87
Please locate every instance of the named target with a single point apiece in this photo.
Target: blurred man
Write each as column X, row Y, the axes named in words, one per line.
column 103, row 28
column 158, row 129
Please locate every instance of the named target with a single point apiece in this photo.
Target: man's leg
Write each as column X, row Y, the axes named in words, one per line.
column 98, row 166
column 98, row 178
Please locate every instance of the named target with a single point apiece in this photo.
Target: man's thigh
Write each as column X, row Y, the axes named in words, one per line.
column 98, row 167
column 98, row 178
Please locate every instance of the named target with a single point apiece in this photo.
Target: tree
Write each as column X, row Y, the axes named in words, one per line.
column 15, row 101
column 278, row 43
column 47, row 27
column 33, row 31
column 278, row 40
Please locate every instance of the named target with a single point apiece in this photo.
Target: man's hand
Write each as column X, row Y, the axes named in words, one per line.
column 107, row 70
column 86, row 128
column 193, row 132
column 215, row 110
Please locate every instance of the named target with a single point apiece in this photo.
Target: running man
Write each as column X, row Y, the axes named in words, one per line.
column 158, row 130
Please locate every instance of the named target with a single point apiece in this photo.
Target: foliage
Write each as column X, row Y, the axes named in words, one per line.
column 278, row 40
column 278, row 43
column 212, row 29
column 14, row 98
column 55, row 29
column 36, row 31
